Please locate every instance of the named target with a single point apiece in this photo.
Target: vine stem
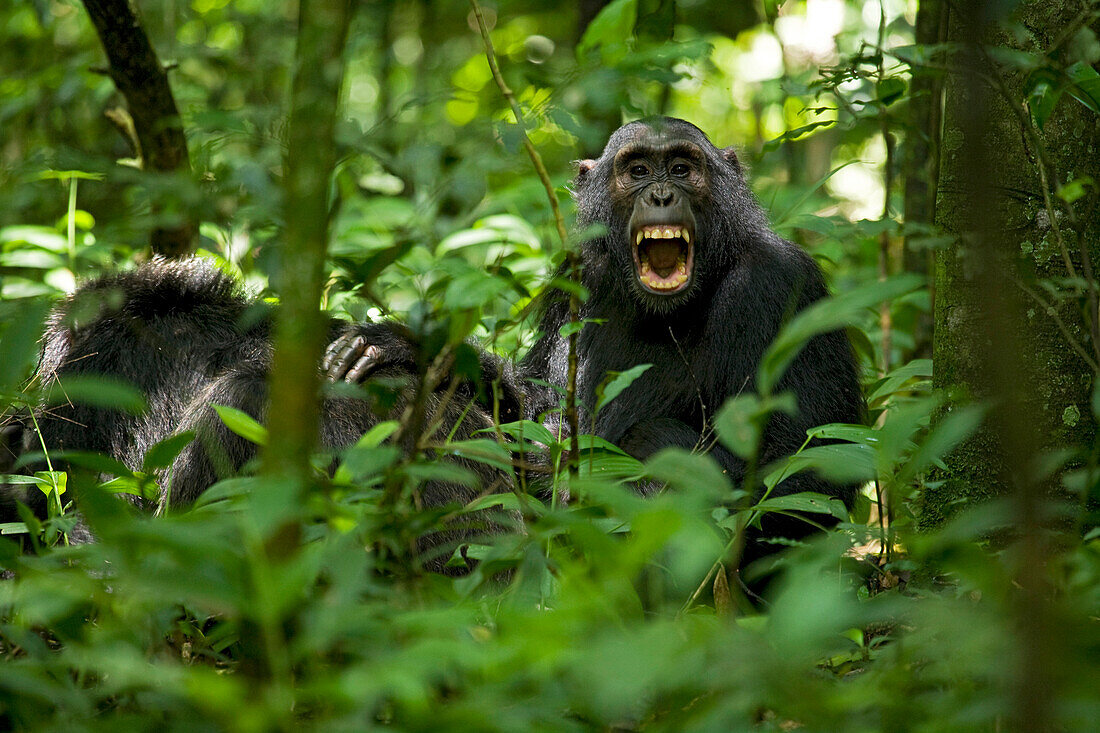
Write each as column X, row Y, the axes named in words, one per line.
column 572, row 263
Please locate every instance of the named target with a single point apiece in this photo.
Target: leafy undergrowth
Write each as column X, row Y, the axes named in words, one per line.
column 263, row 608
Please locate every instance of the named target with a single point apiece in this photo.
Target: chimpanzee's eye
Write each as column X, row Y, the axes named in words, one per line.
column 639, row 171
column 680, row 169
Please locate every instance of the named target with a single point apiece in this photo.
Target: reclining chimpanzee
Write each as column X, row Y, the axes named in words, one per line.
column 687, row 276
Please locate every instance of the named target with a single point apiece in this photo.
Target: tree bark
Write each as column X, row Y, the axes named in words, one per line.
column 999, row 338
column 140, row 76
column 920, row 162
column 1053, row 353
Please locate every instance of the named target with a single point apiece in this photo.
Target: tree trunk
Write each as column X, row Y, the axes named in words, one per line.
column 920, row 159
column 139, row 75
column 994, row 341
column 1055, row 362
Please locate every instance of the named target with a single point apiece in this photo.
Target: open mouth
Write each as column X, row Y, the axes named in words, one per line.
column 663, row 257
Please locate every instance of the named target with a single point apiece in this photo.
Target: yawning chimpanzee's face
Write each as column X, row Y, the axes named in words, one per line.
column 660, row 177
column 671, row 203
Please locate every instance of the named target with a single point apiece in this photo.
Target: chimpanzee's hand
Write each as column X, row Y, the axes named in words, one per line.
column 365, row 350
column 351, row 359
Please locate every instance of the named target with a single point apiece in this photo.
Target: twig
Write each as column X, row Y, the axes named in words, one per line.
column 887, row 183
column 572, row 263
column 1051, row 311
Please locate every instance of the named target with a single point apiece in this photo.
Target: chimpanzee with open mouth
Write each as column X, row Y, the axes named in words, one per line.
column 689, row 277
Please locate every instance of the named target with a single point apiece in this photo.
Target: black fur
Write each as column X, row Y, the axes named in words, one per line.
column 186, row 336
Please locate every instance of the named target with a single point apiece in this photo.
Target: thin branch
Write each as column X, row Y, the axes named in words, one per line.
column 570, row 256
column 1051, row 311
column 885, row 322
column 300, row 329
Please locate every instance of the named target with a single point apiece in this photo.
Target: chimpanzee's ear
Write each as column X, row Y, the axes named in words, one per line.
column 583, row 168
column 730, row 156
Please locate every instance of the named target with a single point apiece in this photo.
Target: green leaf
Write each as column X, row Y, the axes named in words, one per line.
column 53, row 482
column 795, row 134
column 242, row 424
column 46, row 238
column 439, row 471
column 839, row 431
column 570, row 328
column 1015, row 58
column 507, row 501
column 96, row 391
column 595, row 442
column 481, row 450
column 890, row 90
column 606, row 465
column 616, row 383
column 786, row 215
column 473, row 288
column 841, row 462
column 528, row 430
column 1075, row 189
column 689, row 471
column 892, row 382
column 378, row 434
column 610, row 31
column 828, row 314
column 1041, row 100
column 362, row 463
column 952, row 429
column 738, row 425
column 569, row 287
column 164, row 452
column 224, row 490
column 20, row 329
column 1086, row 85
column 51, row 174
column 805, row 501
column 13, row 528
column 20, row 480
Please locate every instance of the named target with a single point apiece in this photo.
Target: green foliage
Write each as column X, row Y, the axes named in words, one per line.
column 260, row 608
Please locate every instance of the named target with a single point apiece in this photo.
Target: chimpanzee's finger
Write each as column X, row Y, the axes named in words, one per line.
column 342, row 355
column 365, row 364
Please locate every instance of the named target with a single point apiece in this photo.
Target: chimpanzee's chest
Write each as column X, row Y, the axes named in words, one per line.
column 688, row 377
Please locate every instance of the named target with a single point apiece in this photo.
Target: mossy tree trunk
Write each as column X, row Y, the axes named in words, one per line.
column 1041, row 263
column 1016, row 313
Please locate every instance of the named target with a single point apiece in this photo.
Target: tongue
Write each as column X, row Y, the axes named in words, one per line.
column 662, row 257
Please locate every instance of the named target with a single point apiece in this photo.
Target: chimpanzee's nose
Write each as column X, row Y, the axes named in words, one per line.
column 660, row 195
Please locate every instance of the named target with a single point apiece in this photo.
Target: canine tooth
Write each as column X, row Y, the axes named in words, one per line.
column 638, row 240
column 687, row 237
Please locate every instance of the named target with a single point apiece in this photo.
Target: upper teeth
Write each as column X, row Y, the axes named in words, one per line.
column 662, row 233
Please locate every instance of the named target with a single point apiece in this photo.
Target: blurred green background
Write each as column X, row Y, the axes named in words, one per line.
column 613, row 612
